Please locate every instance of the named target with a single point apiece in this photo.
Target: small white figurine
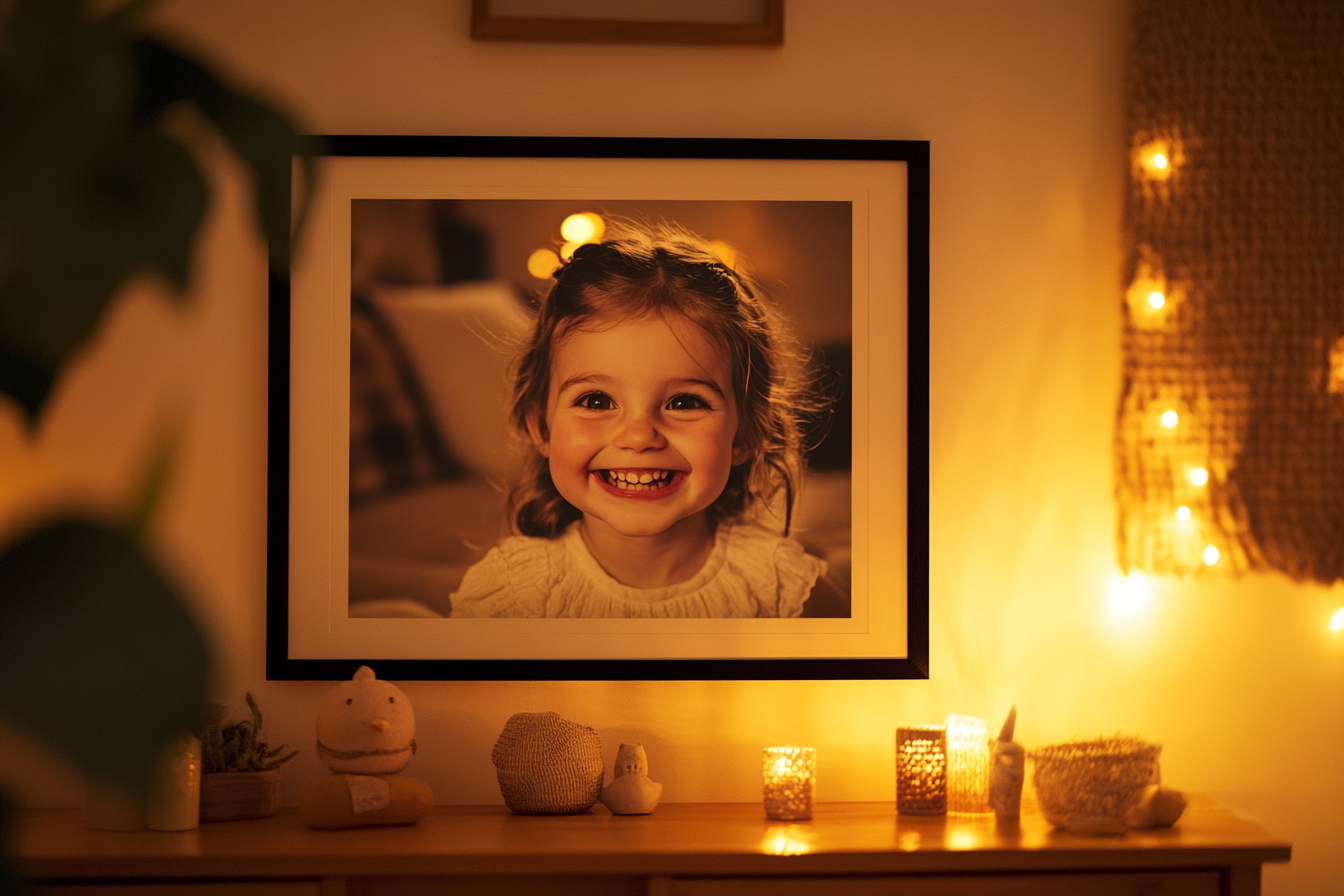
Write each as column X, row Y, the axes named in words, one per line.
column 630, row 791
column 1008, row 768
column 365, row 735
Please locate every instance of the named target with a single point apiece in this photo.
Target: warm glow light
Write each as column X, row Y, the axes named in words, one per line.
column 789, row 773
column 1151, row 298
column 1335, row 384
column 786, row 840
column 726, row 253
column 1157, row 159
column 967, row 765
column 584, row 227
column 1211, row 555
column 1183, row 513
column 1169, row 418
column 1337, row 620
column 567, row 250
column 960, row 838
column 1127, row 596
column 542, row 263
column 1199, row 476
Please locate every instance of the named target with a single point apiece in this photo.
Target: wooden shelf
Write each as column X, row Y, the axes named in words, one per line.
column 681, row 848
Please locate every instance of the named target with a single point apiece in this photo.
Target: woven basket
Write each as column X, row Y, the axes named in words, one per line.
column 1088, row 786
column 547, row 765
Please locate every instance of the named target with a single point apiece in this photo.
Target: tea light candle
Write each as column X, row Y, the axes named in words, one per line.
column 921, row 770
column 789, row 775
column 967, row 765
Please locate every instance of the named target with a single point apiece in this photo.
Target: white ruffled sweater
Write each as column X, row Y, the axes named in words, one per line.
column 752, row 572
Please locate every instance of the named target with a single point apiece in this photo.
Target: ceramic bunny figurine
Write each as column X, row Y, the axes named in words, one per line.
column 366, row 736
column 630, row 791
column 1006, row 771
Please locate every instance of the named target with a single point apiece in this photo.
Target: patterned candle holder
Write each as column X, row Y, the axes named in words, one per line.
column 789, row 775
column 967, row 765
column 921, row 770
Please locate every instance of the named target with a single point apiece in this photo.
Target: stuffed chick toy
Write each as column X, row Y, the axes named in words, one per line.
column 366, row 736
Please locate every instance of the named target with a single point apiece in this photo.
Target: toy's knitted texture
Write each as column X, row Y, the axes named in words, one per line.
column 548, row 765
column 1247, row 233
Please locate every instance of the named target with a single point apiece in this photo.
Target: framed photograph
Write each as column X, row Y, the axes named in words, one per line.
column 630, row 21
column 530, row 412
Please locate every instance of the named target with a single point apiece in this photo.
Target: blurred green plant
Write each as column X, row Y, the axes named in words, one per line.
column 100, row 657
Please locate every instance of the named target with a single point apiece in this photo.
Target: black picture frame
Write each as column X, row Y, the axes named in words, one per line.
column 768, row 30
column 912, row 156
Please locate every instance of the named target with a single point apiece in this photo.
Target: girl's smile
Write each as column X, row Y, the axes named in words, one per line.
column 640, row 428
column 640, row 483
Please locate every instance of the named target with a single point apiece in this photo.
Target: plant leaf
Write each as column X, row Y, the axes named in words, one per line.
column 66, row 92
column 93, row 191
column 262, row 135
column 150, row 493
column 98, row 655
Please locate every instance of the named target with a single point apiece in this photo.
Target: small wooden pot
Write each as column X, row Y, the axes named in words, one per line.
column 230, row 796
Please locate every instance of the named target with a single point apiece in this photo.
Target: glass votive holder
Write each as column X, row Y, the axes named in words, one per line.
column 967, row 765
column 789, row 774
column 921, row 770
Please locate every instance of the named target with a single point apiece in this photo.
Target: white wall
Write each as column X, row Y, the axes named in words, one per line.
column 1242, row 682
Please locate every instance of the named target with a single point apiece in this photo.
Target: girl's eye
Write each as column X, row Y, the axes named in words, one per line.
column 595, row 401
column 687, row 402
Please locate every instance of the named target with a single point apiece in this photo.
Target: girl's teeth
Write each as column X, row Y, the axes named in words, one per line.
column 639, row 481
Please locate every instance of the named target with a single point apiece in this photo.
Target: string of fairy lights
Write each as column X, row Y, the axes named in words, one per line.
column 1154, row 302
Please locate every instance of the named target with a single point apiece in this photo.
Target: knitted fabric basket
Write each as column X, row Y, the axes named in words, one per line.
column 547, row 765
column 1088, row 786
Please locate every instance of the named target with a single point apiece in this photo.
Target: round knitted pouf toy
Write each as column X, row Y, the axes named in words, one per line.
column 548, row 765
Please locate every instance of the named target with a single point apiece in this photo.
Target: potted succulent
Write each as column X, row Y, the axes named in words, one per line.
column 241, row 772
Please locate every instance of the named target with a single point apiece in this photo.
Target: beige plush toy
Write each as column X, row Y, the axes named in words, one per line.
column 365, row 735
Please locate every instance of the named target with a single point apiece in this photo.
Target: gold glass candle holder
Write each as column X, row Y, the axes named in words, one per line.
column 967, row 765
column 789, row 775
column 921, row 770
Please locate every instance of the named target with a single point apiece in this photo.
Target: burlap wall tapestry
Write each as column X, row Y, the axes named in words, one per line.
column 1229, row 442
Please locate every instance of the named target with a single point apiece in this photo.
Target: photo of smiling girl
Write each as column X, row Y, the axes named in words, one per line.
column 662, row 406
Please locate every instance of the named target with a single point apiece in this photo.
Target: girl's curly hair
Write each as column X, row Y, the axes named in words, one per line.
column 661, row 269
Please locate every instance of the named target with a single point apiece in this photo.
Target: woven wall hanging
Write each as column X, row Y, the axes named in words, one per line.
column 1229, row 440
